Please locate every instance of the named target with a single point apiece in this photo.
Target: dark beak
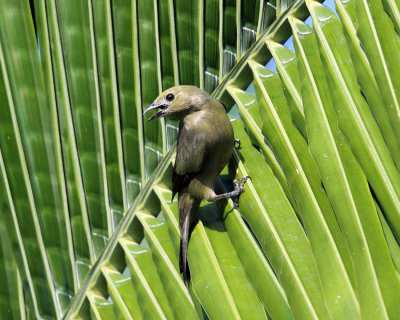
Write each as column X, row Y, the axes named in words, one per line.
column 162, row 107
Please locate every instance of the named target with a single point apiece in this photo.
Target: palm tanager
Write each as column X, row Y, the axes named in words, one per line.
column 204, row 147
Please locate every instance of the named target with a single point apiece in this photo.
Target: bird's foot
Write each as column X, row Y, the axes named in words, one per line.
column 237, row 143
column 236, row 183
column 239, row 189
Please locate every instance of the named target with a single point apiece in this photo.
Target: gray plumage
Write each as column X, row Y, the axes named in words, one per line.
column 204, row 146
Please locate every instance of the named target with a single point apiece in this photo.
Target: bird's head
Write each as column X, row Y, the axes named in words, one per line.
column 177, row 102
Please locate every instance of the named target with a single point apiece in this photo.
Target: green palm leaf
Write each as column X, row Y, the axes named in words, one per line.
column 87, row 226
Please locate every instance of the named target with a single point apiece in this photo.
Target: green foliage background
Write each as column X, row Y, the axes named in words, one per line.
column 87, row 228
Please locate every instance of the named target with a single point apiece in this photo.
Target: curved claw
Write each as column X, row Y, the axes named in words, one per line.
column 243, row 181
column 237, row 143
column 235, row 183
column 240, row 188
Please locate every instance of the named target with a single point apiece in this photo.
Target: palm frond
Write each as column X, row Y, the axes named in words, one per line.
column 87, row 226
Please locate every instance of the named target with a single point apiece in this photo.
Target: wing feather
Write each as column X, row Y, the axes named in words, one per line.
column 190, row 153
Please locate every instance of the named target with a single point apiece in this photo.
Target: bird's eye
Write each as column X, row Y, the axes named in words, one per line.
column 170, row 97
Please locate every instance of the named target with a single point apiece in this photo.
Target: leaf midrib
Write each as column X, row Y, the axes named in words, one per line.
column 107, row 251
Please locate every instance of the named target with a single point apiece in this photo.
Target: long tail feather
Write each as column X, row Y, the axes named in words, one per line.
column 183, row 263
column 187, row 212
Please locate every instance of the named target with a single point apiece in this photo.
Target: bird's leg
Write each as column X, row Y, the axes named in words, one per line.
column 239, row 189
column 236, row 143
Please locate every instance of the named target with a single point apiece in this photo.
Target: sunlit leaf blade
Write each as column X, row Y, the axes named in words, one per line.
column 280, row 234
column 146, row 281
column 390, row 239
column 342, row 178
column 289, row 142
column 368, row 220
column 392, row 8
column 383, row 53
column 317, row 215
column 100, row 307
column 203, row 258
column 80, row 304
column 367, row 80
column 360, row 129
column 248, row 111
column 169, row 215
column 286, row 64
column 242, row 298
column 256, row 266
column 124, row 296
column 166, row 261
column 85, row 179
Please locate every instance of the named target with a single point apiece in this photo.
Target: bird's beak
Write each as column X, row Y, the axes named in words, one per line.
column 162, row 107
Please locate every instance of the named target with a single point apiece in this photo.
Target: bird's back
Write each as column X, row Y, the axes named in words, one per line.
column 205, row 144
column 211, row 127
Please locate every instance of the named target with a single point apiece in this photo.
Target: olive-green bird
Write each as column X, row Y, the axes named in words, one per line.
column 204, row 147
